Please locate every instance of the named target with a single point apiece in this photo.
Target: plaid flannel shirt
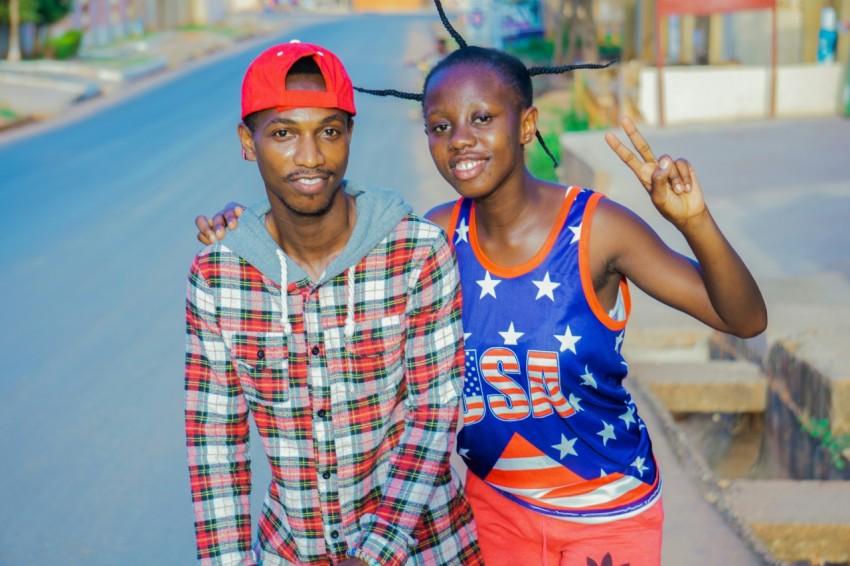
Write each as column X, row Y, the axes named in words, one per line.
column 358, row 431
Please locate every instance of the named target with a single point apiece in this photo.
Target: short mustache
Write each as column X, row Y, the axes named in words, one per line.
column 308, row 173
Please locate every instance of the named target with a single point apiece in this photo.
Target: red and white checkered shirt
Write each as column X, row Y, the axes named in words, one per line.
column 358, row 431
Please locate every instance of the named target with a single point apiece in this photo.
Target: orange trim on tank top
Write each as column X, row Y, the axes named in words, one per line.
column 453, row 220
column 536, row 259
column 587, row 280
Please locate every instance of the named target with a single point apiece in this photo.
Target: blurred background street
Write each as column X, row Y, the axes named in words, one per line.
column 106, row 157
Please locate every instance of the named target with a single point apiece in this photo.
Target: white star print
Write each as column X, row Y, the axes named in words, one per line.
column 545, row 288
column 488, row 285
column 464, row 452
column 574, row 401
column 602, row 473
column 566, row 446
column 607, row 433
column 588, row 378
column 628, row 417
column 618, row 340
column 462, row 231
column 576, row 230
column 511, row 336
column 568, row 341
column 638, row 463
column 466, row 336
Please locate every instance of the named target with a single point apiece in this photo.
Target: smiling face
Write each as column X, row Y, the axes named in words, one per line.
column 302, row 153
column 476, row 127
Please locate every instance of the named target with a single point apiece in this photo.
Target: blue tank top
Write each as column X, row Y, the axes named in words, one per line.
column 546, row 419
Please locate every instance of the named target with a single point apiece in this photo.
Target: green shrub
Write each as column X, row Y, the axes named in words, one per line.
column 532, row 50
column 539, row 164
column 64, row 46
column 575, row 121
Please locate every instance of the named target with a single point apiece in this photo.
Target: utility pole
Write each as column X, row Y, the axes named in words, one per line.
column 579, row 29
column 14, row 31
column 582, row 30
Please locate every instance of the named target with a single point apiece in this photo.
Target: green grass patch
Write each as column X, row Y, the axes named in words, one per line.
column 7, row 113
column 230, row 32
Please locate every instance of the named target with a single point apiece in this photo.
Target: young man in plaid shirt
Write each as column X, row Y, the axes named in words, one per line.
column 332, row 316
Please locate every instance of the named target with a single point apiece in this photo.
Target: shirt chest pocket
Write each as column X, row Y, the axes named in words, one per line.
column 374, row 355
column 262, row 362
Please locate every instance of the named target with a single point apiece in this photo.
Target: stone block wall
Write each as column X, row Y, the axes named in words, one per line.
column 806, row 419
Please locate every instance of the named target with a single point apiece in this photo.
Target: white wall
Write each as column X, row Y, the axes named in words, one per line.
column 245, row 5
column 705, row 94
column 750, row 37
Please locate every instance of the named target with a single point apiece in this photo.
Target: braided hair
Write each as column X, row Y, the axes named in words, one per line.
column 510, row 68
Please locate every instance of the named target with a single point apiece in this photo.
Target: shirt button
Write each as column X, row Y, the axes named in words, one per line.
column 261, row 354
column 322, row 413
column 326, row 475
column 334, row 534
column 315, row 350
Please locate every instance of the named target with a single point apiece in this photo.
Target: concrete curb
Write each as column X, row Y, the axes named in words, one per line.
column 713, row 489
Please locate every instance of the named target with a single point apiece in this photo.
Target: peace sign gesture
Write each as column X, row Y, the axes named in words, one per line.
column 672, row 185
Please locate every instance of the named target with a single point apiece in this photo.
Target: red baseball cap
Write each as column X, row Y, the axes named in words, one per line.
column 264, row 85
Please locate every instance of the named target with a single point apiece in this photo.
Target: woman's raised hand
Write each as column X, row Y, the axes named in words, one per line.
column 672, row 185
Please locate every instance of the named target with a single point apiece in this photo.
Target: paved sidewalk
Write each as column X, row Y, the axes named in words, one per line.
column 39, row 90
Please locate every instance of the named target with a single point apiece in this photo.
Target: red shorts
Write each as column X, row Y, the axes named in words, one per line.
column 512, row 535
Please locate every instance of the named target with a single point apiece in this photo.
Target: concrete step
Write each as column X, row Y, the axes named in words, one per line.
column 671, row 344
column 704, row 387
column 798, row 521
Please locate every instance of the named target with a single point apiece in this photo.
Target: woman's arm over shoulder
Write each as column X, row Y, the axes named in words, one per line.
column 211, row 230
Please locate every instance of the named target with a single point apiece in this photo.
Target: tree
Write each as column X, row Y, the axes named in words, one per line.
column 51, row 11
column 14, row 31
column 43, row 13
column 577, row 33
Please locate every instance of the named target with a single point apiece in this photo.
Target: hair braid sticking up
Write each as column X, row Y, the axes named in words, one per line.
column 545, row 147
column 461, row 42
column 392, row 92
column 537, row 71
column 507, row 65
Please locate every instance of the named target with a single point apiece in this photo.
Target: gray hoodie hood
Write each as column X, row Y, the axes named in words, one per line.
column 378, row 212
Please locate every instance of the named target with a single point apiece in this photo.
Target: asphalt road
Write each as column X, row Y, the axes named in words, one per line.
column 96, row 245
